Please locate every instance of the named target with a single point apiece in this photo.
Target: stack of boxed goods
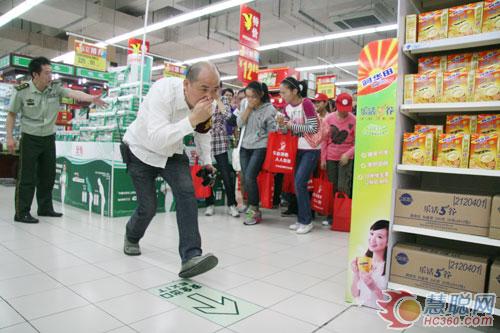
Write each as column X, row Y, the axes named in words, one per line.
column 470, row 19
column 468, row 142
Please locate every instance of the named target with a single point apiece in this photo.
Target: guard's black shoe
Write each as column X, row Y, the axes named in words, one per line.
column 25, row 219
column 51, row 214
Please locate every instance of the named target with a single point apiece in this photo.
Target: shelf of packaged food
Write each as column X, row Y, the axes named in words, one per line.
column 443, row 108
column 449, row 44
column 447, row 235
column 455, row 171
column 420, row 292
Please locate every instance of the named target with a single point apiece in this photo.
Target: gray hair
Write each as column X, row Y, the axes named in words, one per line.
column 195, row 69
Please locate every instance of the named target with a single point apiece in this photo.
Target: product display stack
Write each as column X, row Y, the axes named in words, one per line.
column 446, row 212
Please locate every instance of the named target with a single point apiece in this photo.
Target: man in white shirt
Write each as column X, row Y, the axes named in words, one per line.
column 172, row 109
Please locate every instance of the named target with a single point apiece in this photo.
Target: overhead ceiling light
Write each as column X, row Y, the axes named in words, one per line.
column 326, row 66
column 228, row 78
column 18, row 11
column 179, row 19
column 337, row 35
column 218, row 7
column 346, row 83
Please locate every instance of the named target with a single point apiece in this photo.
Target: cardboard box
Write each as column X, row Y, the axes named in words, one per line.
column 460, row 213
column 487, row 85
column 491, row 16
column 461, row 124
column 488, row 59
column 418, row 148
column 427, row 88
column 453, row 150
column 494, row 281
column 457, row 86
column 461, row 62
column 465, row 20
column 488, row 123
column 484, row 151
column 436, row 131
column 409, row 88
column 411, row 29
column 437, row 270
column 431, row 64
column 495, row 219
column 432, row 25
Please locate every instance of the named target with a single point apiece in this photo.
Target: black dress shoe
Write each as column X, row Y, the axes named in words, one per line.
column 25, row 219
column 51, row 214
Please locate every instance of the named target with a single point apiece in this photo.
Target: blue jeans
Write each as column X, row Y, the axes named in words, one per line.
column 307, row 161
column 176, row 174
column 251, row 163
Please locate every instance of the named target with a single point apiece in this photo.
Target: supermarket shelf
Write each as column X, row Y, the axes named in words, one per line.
column 419, row 292
column 449, row 44
column 455, row 171
column 443, row 108
column 447, row 235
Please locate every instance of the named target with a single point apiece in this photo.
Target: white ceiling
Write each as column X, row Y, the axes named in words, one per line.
column 41, row 31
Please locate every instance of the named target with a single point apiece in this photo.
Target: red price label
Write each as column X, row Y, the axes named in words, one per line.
column 247, row 70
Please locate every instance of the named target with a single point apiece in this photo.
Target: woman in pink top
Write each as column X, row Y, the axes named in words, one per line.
column 337, row 150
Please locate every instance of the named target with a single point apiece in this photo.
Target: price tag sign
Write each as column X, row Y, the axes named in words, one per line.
column 247, row 70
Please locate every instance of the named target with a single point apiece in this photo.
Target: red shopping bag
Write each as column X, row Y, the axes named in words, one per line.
column 288, row 183
column 342, row 212
column 265, row 181
column 281, row 153
column 322, row 197
column 200, row 191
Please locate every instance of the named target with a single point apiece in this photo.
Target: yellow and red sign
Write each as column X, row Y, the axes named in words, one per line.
column 90, row 56
column 325, row 84
column 135, row 45
column 248, row 61
column 172, row 70
column 272, row 77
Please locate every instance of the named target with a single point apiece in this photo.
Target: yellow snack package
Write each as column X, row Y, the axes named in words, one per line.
column 461, row 124
column 453, row 150
column 431, row 64
column 484, row 151
column 364, row 264
column 436, row 131
column 487, row 85
column 488, row 124
column 411, row 28
column 488, row 59
column 491, row 16
column 409, row 89
column 456, row 87
column 465, row 20
column 427, row 88
column 461, row 62
column 418, row 148
column 433, row 25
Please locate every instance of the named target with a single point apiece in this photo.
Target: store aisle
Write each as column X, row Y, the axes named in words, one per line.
column 70, row 275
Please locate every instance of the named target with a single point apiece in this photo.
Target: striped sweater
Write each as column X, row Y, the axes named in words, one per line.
column 304, row 120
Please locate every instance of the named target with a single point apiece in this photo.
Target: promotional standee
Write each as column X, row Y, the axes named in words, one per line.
column 373, row 172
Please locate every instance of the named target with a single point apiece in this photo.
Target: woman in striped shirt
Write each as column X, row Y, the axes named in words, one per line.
column 302, row 119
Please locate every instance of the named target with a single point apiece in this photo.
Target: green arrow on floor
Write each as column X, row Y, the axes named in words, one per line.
column 225, row 307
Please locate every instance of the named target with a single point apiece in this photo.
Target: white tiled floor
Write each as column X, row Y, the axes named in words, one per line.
column 70, row 275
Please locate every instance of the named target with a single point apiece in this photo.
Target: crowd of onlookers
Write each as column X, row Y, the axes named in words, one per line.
column 325, row 129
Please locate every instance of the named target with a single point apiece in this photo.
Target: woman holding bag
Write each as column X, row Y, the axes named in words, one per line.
column 304, row 123
column 337, row 151
column 258, row 120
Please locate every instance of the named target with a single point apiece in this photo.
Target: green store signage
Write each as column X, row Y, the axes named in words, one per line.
column 90, row 74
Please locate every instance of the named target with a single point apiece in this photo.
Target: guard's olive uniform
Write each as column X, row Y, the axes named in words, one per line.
column 37, row 151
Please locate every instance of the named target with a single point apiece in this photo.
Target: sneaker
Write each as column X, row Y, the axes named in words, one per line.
column 326, row 223
column 304, row 228
column 131, row 249
column 243, row 209
column 294, row 226
column 252, row 217
column 198, row 265
column 209, row 211
column 287, row 213
column 233, row 211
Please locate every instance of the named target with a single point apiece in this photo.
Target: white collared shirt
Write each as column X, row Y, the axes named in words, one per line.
column 161, row 125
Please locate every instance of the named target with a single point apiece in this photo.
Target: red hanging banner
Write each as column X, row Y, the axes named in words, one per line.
column 135, row 44
column 248, row 61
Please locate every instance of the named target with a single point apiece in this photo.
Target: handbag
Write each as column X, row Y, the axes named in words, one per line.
column 281, row 154
column 235, row 157
column 265, row 182
column 322, row 197
column 200, row 191
column 342, row 212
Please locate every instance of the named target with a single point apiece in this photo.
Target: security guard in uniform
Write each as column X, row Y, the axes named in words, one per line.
column 37, row 103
